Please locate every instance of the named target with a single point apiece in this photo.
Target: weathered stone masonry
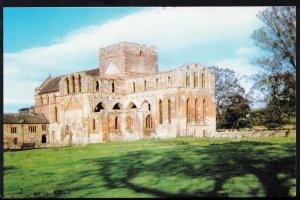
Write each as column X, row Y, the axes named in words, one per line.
column 126, row 98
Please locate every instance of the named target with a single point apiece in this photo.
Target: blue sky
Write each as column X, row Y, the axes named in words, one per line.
column 56, row 41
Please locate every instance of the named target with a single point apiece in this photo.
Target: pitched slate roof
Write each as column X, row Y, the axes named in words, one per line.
column 92, row 72
column 51, row 85
column 26, row 118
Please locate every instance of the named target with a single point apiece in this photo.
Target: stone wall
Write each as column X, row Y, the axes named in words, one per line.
column 88, row 108
column 127, row 59
column 178, row 90
column 253, row 133
column 24, row 135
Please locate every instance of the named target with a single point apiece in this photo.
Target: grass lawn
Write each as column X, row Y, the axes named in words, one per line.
column 156, row 168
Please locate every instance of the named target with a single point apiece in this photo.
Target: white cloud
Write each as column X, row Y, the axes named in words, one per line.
column 166, row 28
column 242, row 68
column 19, row 92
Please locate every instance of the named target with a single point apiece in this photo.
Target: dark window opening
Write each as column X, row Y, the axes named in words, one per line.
column 169, row 111
column 15, row 141
column 13, row 129
column 32, row 129
column 79, row 83
column 187, row 80
column 116, row 123
column 132, row 105
column 116, row 107
column 99, row 107
column 160, row 112
column 113, row 87
column 187, row 110
column 149, row 122
column 133, row 87
column 203, row 110
column 44, row 139
column 97, row 86
column 141, row 53
column 67, row 86
column 94, row 124
column 73, row 84
column 196, row 110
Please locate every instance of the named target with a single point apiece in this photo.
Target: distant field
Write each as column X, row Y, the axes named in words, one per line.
column 181, row 167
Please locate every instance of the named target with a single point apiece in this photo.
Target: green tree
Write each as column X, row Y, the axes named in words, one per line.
column 277, row 78
column 236, row 114
column 232, row 104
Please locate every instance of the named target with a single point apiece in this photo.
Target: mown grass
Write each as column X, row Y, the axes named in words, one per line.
column 180, row 167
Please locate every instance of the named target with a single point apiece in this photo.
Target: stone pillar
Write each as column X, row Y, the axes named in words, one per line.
column 191, row 78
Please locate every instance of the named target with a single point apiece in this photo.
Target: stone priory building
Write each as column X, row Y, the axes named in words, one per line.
column 126, row 98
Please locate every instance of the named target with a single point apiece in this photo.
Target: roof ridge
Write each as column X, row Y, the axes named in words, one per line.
column 45, row 81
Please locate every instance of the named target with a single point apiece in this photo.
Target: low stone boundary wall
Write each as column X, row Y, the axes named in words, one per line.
column 254, row 133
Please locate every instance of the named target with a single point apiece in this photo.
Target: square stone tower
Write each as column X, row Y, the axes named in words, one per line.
column 127, row 59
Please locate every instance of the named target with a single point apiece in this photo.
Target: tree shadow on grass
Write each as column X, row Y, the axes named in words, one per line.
column 9, row 170
column 216, row 162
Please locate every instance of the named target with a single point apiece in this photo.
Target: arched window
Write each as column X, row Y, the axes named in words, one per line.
column 67, row 85
column 141, row 53
column 187, row 80
column 156, row 82
column 15, row 141
column 169, row 111
column 128, row 123
column 133, row 85
column 149, row 122
column 146, row 105
column 203, row 110
column 99, row 107
column 195, row 80
column 187, row 111
column 196, row 110
column 94, row 124
column 116, row 123
column 73, row 84
column 97, row 86
column 113, row 87
column 116, row 106
column 160, row 112
column 145, row 85
column 169, row 81
column 79, row 83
